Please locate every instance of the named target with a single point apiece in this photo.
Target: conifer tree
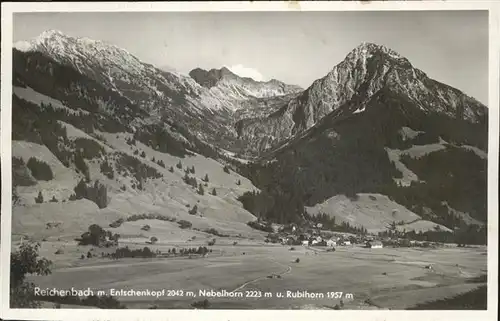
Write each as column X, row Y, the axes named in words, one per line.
column 39, row 198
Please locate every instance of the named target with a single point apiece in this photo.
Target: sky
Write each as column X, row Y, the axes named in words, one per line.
column 294, row 47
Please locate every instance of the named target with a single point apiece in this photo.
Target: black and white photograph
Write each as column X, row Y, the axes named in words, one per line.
column 250, row 160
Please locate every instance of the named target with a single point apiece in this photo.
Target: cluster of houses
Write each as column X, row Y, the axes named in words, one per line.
column 315, row 239
column 315, row 236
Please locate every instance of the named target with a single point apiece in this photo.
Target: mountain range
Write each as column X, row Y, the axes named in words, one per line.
column 373, row 141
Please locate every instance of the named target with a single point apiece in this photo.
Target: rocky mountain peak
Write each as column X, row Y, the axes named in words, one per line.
column 80, row 52
column 50, row 34
column 370, row 67
column 44, row 38
column 366, row 70
column 238, row 87
column 372, row 48
column 210, row 78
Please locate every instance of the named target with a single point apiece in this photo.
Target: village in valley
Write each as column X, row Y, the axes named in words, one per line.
column 316, row 236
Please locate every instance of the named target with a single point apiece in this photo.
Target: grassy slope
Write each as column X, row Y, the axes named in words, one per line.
column 64, row 179
column 168, row 195
column 373, row 211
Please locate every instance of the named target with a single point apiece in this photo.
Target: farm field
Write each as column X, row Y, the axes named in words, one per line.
column 387, row 278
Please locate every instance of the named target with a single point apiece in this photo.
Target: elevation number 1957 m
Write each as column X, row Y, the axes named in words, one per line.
column 339, row 295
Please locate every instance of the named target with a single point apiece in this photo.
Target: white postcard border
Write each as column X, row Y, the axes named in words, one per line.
column 243, row 315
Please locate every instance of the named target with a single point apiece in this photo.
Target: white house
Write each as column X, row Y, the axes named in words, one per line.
column 305, row 243
column 314, row 242
column 331, row 243
column 374, row 245
column 347, row 242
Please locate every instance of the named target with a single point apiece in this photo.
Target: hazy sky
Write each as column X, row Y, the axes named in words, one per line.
column 295, row 47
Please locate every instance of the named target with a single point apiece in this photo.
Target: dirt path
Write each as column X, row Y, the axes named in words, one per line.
column 287, row 271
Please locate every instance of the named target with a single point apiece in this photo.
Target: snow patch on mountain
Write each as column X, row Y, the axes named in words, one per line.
column 359, row 110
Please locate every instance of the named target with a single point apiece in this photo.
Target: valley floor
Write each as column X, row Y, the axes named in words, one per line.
column 387, row 278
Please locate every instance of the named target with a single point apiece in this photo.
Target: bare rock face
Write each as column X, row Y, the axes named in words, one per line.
column 205, row 78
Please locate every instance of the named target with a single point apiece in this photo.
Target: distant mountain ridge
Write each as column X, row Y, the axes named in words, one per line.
column 241, row 87
column 242, row 102
column 157, row 92
column 117, row 69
